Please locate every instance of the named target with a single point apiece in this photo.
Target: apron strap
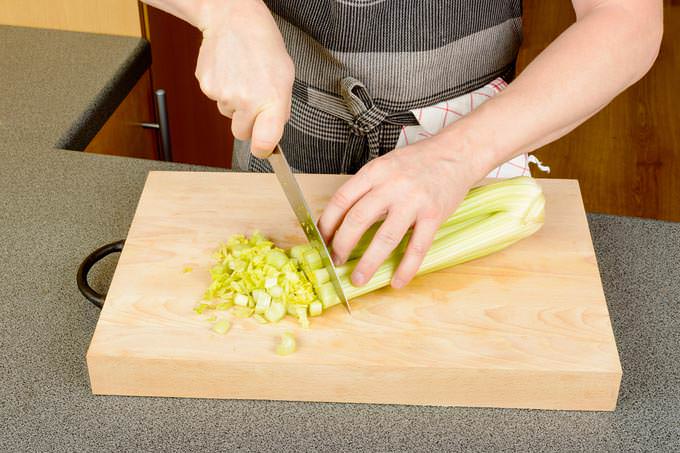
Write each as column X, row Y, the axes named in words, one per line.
column 364, row 118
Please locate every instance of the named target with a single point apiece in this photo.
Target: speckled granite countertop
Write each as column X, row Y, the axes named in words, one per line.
column 56, row 206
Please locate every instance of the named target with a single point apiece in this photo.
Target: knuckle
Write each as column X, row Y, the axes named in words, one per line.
column 238, row 100
column 224, row 110
column 431, row 213
column 340, row 200
column 388, row 238
column 208, row 89
column 367, row 267
column 370, row 168
column 339, row 245
column 418, row 249
column 357, row 216
column 238, row 130
column 247, row 103
column 406, row 185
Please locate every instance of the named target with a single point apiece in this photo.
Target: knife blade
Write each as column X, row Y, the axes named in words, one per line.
column 297, row 202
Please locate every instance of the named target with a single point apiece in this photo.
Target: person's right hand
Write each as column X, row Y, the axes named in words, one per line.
column 244, row 66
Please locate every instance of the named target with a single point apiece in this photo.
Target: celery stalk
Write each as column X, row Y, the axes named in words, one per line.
column 502, row 221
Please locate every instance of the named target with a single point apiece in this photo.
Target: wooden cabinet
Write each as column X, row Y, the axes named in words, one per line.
column 627, row 157
column 122, row 134
column 114, row 17
column 199, row 133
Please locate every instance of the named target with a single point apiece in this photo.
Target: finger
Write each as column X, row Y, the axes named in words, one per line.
column 365, row 212
column 418, row 246
column 388, row 236
column 242, row 124
column 268, row 130
column 225, row 109
column 341, row 202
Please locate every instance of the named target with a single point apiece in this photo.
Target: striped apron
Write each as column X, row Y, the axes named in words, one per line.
column 369, row 71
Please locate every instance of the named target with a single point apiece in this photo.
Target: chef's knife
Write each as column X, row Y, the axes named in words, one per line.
column 299, row 205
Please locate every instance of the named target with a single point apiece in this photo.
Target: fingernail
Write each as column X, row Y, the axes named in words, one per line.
column 336, row 260
column 358, row 278
column 397, row 283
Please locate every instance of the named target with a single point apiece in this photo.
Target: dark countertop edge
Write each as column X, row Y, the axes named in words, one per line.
column 90, row 121
column 630, row 217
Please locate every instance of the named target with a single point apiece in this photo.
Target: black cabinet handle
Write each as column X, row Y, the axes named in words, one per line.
column 93, row 258
column 162, row 125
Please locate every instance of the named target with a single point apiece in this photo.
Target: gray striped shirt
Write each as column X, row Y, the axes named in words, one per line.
column 362, row 65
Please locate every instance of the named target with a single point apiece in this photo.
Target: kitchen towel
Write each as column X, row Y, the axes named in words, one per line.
column 432, row 119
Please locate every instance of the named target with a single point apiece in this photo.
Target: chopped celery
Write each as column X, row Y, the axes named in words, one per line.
column 239, row 249
column 275, row 291
column 315, row 308
column 222, row 326
column 319, row 276
column 241, row 300
column 262, row 301
column 243, row 312
column 261, row 319
column 287, row 345
column 275, row 312
column 328, row 296
column 291, row 277
column 291, row 309
column 301, row 313
column 200, row 308
column 277, row 258
column 312, row 259
column 298, row 251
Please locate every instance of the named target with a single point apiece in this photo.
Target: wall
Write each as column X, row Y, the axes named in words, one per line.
column 116, row 17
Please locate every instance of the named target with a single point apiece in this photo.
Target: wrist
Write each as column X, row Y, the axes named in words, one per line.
column 211, row 14
column 461, row 143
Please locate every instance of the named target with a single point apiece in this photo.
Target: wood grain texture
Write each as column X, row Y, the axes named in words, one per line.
column 627, row 157
column 113, row 17
column 122, row 135
column 527, row 327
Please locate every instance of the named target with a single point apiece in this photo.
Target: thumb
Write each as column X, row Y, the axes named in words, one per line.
column 267, row 131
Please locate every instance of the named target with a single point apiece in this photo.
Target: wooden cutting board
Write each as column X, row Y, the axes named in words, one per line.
column 527, row 327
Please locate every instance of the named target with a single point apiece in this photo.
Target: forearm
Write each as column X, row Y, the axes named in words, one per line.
column 608, row 48
column 196, row 12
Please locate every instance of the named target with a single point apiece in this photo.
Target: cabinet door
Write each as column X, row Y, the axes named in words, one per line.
column 198, row 132
column 122, row 134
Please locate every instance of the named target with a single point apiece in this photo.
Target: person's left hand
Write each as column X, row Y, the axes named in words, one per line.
column 419, row 185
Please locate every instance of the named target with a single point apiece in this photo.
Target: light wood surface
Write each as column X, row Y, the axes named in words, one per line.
column 527, row 327
column 114, row 17
column 122, row 135
column 627, row 157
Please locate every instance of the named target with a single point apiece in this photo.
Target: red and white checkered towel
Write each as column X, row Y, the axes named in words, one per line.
column 434, row 118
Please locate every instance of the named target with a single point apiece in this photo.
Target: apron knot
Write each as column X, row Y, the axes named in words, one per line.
column 365, row 123
column 365, row 120
column 366, row 117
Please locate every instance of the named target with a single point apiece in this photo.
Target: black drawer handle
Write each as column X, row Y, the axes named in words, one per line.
column 93, row 258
